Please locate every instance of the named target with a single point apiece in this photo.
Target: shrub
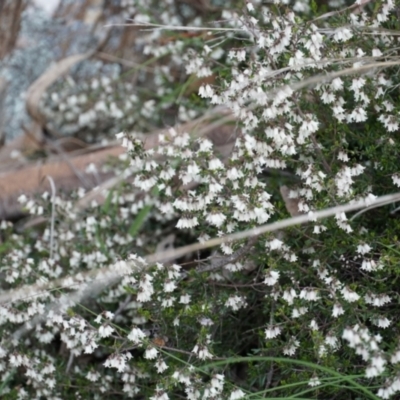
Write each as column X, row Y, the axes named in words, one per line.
column 309, row 310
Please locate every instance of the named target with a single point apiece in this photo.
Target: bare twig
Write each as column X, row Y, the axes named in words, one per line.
column 53, row 198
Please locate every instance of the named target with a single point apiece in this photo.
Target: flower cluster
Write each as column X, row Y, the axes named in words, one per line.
column 308, row 124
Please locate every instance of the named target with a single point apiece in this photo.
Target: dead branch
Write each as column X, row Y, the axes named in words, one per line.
column 30, row 179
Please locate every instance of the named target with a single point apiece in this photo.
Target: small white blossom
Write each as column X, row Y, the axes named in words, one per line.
column 105, row 331
column 161, row 366
column 342, row 34
column 337, row 310
column 298, row 312
column 332, row 341
column 216, row 219
column 381, row 322
column 349, row 295
column 201, row 352
column 289, row 295
column 117, row 361
column 363, row 248
column 271, row 277
column 215, row 164
column 150, row 353
column 236, row 302
column 187, row 222
column 93, row 376
column 314, row 381
column 290, row 349
column 185, row 299
column 272, row 332
column 136, row 335
column 237, row 395
column 275, row 244
column 309, row 295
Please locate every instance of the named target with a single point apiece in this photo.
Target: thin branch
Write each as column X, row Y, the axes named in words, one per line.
column 53, row 198
column 151, row 26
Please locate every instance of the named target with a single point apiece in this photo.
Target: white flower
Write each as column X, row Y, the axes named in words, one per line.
column 234, row 174
column 314, row 381
column 146, row 288
column 216, row 219
column 376, row 53
column 275, row 244
column 357, row 84
column 236, row 302
column 342, row 156
column 105, row 331
column 377, row 300
column 349, row 295
column 381, row 322
column 363, row 248
column 291, row 348
column 313, row 325
column 319, row 228
column 150, row 353
column 271, row 277
column 298, row 312
column 214, row 164
column 160, row 395
column 369, row 265
column 396, row 179
column 376, row 367
column 117, row 361
column 395, row 357
column 161, row 366
column 109, row 315
column 136, row 335
column 206, row 91
column 337, row 310
column 342, row 34
column 359, row 115
column 289, row 295
column 352, row 336
column 205, row 145
column 185, row 299
column 16, row 360
column 309, row 295
column 93, row 376
column 332, row 341
column 201, row 352
column 272, row 332
column 237, row 394
column 336, row 84
column 204, row 321
column 250, row 6
column 169, row 286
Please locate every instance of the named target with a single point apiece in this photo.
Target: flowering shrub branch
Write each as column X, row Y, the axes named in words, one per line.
column 238, row 291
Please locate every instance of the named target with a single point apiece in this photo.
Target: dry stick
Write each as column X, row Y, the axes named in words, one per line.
column 53, row 198
column 56, row 146
column 151, row 26
column 112, row 276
